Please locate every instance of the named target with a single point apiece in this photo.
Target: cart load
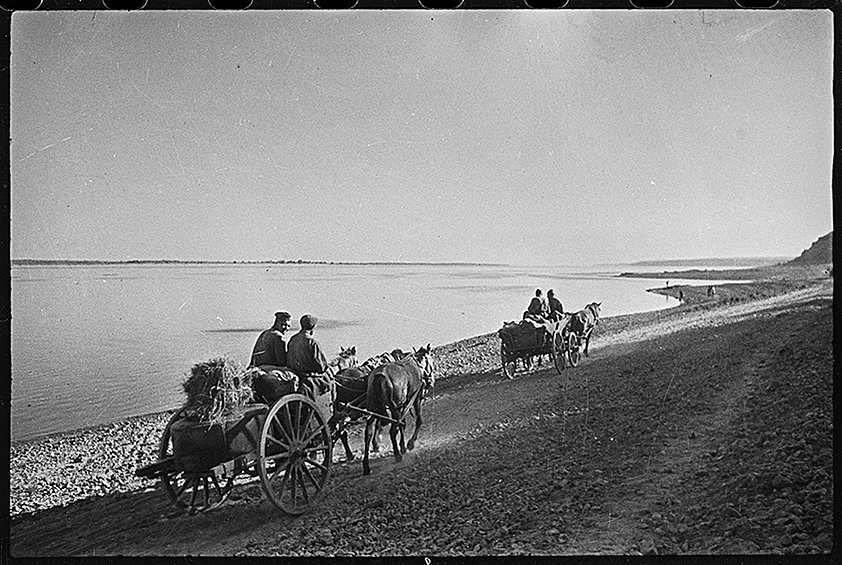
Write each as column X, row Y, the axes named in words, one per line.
column 524, row 334
column 219, row 419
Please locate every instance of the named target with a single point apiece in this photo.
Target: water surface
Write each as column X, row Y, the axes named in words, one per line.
column 95, row 344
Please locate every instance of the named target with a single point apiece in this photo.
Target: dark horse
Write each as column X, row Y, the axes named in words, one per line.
column 272, row 382
column 393, row 389
column 351, row 385
column 584, row 321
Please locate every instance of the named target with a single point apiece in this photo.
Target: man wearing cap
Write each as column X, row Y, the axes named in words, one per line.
column 305, row 357
column 538, row 308
column 556, row 309
column 270, row 348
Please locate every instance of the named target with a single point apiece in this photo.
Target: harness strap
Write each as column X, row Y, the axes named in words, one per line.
column 346, row 387
column 408, row 406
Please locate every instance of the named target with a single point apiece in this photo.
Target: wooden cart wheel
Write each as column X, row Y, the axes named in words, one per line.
column 508, row 362
column 295, row 454
column 190, row 490
column 558, row 352
column 573, row 354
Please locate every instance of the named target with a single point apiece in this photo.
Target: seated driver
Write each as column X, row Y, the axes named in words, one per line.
column 556, row 309
column 538, row 309
column 305, row 357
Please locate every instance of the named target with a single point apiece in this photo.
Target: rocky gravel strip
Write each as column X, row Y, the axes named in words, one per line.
column 60, row 469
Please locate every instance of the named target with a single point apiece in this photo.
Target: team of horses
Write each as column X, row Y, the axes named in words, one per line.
column 384, row 388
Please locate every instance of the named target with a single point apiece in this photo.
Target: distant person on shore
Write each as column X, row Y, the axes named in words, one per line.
column 538, row 308
column 556, row 309
column 270, row 348
column 305, row 357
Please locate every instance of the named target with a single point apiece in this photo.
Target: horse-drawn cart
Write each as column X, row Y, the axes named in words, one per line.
column 528, row 340
column 288, row 445
column 564, row 339
column 286, row 440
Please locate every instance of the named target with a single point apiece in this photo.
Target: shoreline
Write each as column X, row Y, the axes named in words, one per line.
column 66, row 467
column 447, row 348
column 772, row 281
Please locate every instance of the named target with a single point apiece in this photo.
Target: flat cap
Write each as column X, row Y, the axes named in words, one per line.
column 283, row 315
column 308, row 322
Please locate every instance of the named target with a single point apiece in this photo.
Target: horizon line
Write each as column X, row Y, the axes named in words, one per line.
column 234, row 261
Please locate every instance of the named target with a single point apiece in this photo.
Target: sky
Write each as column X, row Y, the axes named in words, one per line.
column 519, row 137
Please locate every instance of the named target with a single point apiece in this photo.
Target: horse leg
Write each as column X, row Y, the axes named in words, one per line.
column 378, row 428
column 401, row 428
column 369, row 424
column 587, row 343
column 349, row 455
column 393, row 433
column 417, row 406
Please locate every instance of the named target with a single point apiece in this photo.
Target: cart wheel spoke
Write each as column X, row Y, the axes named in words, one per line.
column 309, row 439
column 314, row 449
column 195, row 488
column 216, row 486
column 315, row 463
column 206, row 486
column 309, row 472
column 283, row 425
column 278, row 470
column 296, row 430
column 305, row 427
column 301, row 484
column 293, row 484
column 278, row 442
column 287, row 469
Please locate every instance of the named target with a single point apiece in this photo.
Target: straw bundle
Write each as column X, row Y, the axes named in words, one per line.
column 217, row 390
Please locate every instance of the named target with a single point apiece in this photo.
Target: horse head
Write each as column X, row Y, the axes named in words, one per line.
column 594, row 307
column 347, row 358
column 424, row 359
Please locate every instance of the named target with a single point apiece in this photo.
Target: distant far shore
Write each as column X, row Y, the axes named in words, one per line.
column 63, row 262
column 771, row 272
column 717, row 261
column 738, row 263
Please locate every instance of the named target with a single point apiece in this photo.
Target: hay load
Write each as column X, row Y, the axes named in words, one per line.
column 218, row 390
column 221, row 422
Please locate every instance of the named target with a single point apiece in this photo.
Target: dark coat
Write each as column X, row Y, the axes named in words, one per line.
column 555, row 305
column 538, row 306
column 304, row 356
column 270, row 349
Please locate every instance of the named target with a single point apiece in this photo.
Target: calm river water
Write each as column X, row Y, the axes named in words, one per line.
column 95, row 344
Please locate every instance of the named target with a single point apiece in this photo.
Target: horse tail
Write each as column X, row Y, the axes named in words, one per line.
column 378, row 393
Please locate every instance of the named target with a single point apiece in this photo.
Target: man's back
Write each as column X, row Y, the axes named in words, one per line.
column 269, row 349
column 304, row 355
column 538, row 306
